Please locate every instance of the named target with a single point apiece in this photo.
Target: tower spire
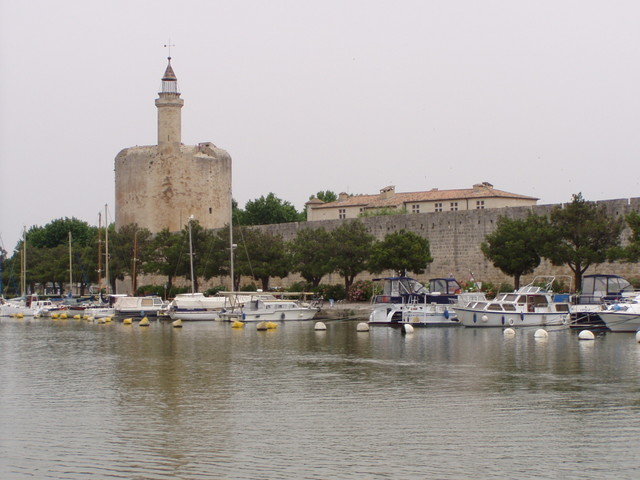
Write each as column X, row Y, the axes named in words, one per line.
column 169, row 105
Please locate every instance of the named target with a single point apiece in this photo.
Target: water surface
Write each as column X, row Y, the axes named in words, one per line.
column 81, row 400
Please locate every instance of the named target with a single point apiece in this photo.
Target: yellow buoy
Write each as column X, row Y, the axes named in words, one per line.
column 77, row 317
column 20, row 315
column 102, row 320
column 127, row 321
column 177, row 323
column 272, row 325
column 261, row 326
column 237, row 324
column 144, row 322
column 54, row 315
column 63, row 315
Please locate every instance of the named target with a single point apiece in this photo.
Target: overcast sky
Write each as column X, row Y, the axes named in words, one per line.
column 540, row 97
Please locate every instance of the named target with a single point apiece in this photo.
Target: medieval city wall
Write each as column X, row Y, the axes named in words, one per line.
column 455, row 239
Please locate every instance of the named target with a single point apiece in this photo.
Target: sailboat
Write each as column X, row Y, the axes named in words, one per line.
column 20, row 307
column 194, row 305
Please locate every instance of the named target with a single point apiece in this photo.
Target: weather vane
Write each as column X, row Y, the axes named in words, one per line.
column 169, row 45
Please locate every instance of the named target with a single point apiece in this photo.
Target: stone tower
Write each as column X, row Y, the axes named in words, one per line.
column 161, row 186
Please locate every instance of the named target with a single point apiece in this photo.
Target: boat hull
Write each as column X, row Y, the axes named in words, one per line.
column 194, row 315
column 621, row 322
column 276, row 316
column 420, row 316
column 481, row 318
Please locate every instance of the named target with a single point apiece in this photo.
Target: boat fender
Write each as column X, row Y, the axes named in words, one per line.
column 502, row 319
column 511, row 322
column 474, row 318
column 446, row 313
column 522, row 317
column 541, row 333
column 282, row 316
column 484, row 318
column 244, row 316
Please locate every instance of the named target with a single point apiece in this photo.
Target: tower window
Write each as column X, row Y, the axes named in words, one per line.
column 210, row 210
column 438, row 206
column 454, row 206
column 415, row 208
column 479, row 204
column 342, row 213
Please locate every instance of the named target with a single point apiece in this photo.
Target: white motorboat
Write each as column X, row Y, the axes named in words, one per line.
column 623, row 316
column 260, row 307
column 598, row 291
column 196, row 306
column 529, row 306
column 139, row 306
column 16, row 307
column 405, row 300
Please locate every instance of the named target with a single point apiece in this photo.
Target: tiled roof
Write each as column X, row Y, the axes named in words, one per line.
column 400, row 198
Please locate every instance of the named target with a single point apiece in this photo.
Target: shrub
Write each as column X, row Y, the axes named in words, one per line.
column 214, row 290
column 299, row 287
column 361, row 291
column 335, row 292
column 251, row 287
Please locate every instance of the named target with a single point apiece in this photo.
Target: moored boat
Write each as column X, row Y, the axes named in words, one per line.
column 598, row 291
column 151, row 306
column 196, row 306
column 622, row 316
column 405, row 300
column 529, row 306
column 257, row 307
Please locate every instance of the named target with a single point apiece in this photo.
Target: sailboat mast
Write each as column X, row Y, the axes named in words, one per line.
column 231, row 241
column 191, row 254
column 106, row 249
column 99, row 252
column 23, row 267
column 70, row 268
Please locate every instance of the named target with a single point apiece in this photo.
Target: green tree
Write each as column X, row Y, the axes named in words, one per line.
column 583, row 235
column 401, row 252
column 261, row 255
column 311, row 254
column 351, row 245
column 515, row 244
column 168, row 255
column 269, row 210
column 631, row 252
column 57, row 231
column 129, row 250
column 326, row 196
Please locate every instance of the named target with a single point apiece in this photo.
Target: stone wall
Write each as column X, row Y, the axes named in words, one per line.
column 455, row 239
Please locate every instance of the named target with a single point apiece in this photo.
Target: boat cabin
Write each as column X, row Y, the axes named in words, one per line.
column 603, row 288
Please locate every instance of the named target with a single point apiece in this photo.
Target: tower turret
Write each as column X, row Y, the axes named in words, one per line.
column 169, row 104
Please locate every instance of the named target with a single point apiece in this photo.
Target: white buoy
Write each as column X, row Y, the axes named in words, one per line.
column 261, row 326
column 320, row 326
column 362, row 327
column 586, row 335
column 509, row 332
column 638, row 337
column 177, row 323
column 406, row 328
column 541, row 333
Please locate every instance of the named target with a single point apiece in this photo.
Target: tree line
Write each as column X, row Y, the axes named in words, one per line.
column 579, row 235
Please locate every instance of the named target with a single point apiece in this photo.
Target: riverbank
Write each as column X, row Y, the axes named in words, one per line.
column 344, row 311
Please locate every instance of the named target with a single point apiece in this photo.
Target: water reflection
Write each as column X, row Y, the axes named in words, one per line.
column 82, row 400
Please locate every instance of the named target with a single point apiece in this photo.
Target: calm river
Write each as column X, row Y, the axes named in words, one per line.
column 81, row 400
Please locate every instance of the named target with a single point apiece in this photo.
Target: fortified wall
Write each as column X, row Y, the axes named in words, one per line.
column 455, row 239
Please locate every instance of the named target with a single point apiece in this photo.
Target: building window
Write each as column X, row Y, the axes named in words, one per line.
column 454, row 206
column 415, row 208
column 361, row 209
column 342, row 213
column 479, row 204
column 438, row 207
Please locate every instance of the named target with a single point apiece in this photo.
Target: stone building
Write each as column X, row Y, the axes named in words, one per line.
column 161, row 186
column 479, row 197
